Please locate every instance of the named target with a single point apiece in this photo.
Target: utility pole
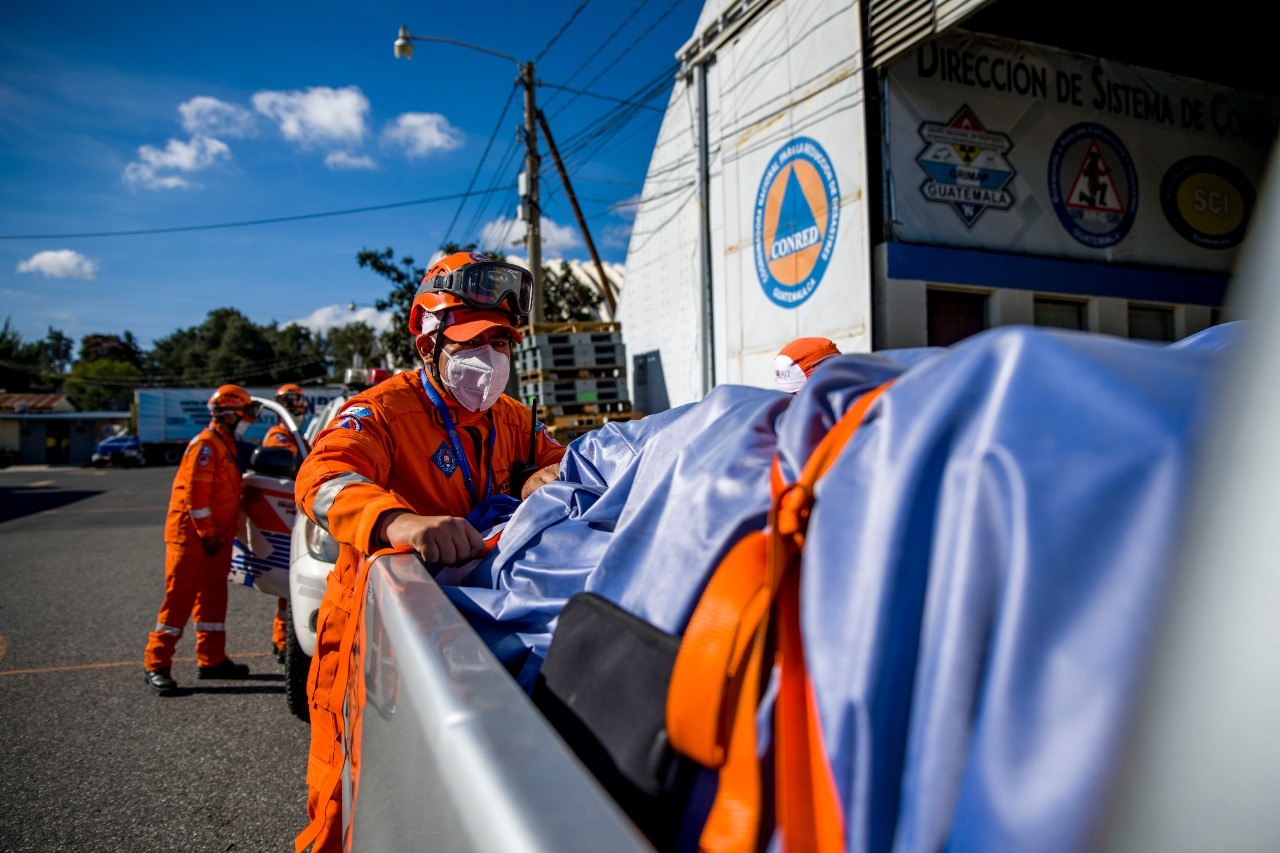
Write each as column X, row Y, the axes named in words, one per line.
column 532, row 210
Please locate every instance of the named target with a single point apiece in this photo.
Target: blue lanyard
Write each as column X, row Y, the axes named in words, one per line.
column 456, row 442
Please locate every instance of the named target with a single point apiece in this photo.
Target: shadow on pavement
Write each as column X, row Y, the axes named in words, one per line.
column 20, row 501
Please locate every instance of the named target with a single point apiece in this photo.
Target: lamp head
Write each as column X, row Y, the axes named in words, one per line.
column 403, row 47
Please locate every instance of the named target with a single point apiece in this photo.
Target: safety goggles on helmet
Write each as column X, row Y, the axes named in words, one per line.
column 488, row 284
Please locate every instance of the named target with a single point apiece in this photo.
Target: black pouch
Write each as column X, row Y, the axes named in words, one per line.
column 603, row 687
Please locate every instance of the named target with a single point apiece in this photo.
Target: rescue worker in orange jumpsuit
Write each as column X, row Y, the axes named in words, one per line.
column 795, row 363
column 204, row 507
column 294, row 401
column 402, row 465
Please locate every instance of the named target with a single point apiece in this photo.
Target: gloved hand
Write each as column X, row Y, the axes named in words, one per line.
column 211, row 544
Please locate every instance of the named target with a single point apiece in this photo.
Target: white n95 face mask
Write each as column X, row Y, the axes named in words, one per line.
column 477, row 377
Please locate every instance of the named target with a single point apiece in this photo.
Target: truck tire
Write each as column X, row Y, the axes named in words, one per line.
column 172, row 455
column 296, row 665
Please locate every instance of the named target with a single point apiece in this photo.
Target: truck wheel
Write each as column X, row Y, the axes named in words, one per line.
column 296, row 665
column 172, row 456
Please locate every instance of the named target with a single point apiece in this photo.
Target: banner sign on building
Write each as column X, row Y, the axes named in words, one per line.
column 1001, row 145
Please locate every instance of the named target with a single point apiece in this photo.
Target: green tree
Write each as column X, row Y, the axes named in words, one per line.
column 565, row 298
column 405, row 277
column 102, row 384
column 111, row 347
column 30, row 365
column 347, row 343
column 228, row 347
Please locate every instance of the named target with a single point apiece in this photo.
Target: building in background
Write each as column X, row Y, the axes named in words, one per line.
column 892, row 175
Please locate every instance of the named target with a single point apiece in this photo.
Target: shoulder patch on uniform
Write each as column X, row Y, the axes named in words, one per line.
column 206, row 453
column 542, row 428
column 444, row 459
column 349, row 418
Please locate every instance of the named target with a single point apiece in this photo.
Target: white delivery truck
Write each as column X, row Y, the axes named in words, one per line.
column 167, row 418
column 893, row 175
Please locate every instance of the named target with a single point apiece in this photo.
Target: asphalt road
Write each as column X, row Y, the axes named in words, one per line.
column 90, row 758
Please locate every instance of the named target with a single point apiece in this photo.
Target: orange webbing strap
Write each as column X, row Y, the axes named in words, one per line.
column 715, row 684
column 332, row 782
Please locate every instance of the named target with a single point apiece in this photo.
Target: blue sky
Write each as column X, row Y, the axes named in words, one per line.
column 142, row 116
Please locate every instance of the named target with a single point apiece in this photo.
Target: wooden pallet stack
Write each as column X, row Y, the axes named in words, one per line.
column 578, row 372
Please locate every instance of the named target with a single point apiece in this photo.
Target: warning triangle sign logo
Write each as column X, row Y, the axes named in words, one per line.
column 1094, row 189
column 796, row 214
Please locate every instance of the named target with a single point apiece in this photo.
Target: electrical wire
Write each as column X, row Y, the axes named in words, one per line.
column 501, row 117
column 560, row 32
column 247, row 222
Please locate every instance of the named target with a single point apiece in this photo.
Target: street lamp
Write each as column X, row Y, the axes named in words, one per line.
column 403, row 49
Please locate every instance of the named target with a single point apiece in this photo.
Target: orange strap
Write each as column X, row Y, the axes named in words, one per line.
column 716, row 682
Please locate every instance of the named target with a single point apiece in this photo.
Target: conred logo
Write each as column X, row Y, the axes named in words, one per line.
column 1207, row 201
column 797, row 214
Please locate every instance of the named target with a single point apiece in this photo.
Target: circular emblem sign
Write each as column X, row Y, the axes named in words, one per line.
column 1093, row 185
column 797, row 213
column 1207, row 201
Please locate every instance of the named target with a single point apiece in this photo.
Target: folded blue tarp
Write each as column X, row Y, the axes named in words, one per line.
column 986, row 561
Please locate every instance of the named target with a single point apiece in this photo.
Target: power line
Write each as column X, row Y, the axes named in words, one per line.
column 246, row 222
column 596, row 95
column 559, row 33
column 501, row 117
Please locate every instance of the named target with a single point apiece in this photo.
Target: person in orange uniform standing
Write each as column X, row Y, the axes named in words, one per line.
column 204, row 507
column 404, row 463
column 294, row 401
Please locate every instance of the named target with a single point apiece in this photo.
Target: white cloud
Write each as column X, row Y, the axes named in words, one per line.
column 617, row 235
column 421, row 134
column 502, row 232
column 318, row 116
column 333, row 316
column 206, row 116
column 60, row 263
column 156, row 169
column 626, row 207
column 347, row 160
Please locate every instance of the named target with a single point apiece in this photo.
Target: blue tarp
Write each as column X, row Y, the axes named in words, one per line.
column 985, row 564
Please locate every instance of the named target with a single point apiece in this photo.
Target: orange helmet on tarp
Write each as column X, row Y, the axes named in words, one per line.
column 292, row 398
column 466, row 293
column 795, row 362
column 233, row 400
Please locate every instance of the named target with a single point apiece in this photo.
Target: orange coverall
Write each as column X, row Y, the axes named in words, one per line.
column 205, row 502
column 279, row 436
column 387, row 450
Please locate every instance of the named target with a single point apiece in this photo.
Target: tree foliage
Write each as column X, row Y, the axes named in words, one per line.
column 102, row 384
column 228, row 347
column 32, row 365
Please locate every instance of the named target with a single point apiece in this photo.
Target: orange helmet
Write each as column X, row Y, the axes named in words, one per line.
column 292, row 398
column 795, row 362
column 491, row 293
column 233, row 400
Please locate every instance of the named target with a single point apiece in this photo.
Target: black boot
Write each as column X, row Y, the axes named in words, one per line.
column 226, row 670
column 160, row 681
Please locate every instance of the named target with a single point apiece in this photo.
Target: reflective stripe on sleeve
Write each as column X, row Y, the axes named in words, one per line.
column 204, row 512
column 162, row 628
column 328, row 492
column 211, row 626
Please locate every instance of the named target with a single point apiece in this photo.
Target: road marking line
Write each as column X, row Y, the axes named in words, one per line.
column 104, row 509
column 109, row 665
column 40, row 484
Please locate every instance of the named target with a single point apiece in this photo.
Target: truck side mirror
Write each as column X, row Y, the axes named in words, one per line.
column 274, row 462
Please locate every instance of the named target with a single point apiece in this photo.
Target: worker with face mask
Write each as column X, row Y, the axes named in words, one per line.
column 405, row 462
column 204, row 507
column 291, row 397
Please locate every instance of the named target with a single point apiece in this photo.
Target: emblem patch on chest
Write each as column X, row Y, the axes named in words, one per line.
column 444, row 459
